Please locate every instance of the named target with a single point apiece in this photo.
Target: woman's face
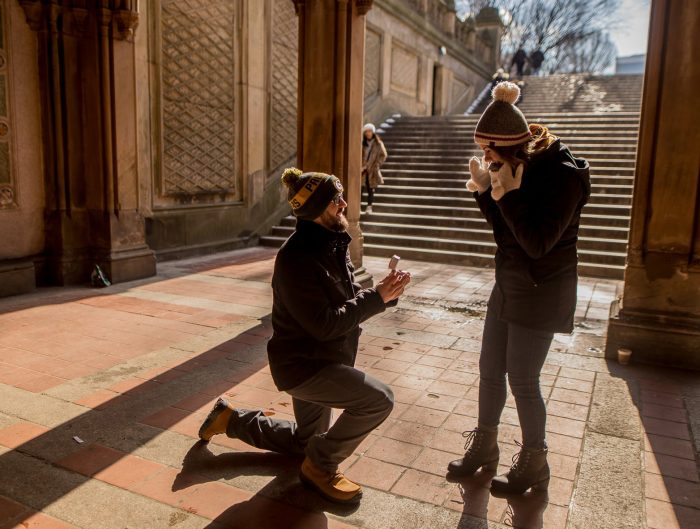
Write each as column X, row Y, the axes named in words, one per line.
column 490, row 155
column 368, row 134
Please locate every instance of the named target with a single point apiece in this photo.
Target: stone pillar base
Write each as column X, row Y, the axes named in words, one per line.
column 364, row 278
column 654, row 339
column 16, row 277
column 128, row 265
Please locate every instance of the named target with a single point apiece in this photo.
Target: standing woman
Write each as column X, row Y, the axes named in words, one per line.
column 531, row 195
column 373, row 156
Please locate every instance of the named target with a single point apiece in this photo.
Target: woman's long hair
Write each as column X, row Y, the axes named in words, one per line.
column 522, row 153
column 375, row 136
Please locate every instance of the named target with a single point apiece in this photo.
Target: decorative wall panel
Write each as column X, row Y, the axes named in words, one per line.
column 8, row 192
column 198, row 97
column 373, row 62
column 459, row 93
column 284, row 82
column 404, row 70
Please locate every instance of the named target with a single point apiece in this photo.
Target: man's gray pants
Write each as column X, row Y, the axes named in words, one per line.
column 366, row 402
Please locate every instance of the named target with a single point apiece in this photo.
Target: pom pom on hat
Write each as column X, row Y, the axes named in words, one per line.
column 290, row 176
column 507, row 92
column 502, row 124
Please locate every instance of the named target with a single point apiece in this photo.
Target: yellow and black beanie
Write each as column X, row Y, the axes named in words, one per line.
column 310, row 193
column 502, row 124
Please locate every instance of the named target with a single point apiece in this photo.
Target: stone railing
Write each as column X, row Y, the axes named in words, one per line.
column 442, row 15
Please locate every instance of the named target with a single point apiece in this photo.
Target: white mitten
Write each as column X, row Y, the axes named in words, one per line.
column 505, row 180
column 479, row 172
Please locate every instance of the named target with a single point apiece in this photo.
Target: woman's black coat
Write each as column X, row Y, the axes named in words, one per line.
column 536, row 231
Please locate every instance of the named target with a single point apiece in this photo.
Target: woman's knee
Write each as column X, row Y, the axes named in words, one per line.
column 525, row 387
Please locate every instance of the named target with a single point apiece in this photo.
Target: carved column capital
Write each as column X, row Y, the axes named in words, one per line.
column 298, row 6
column 363, row 6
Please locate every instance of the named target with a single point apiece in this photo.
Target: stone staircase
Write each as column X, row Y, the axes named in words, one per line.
column 423, row 211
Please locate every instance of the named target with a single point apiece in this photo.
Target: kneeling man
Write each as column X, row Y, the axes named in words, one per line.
column 316, row 315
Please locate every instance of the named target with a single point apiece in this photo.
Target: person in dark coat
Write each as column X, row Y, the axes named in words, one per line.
column 518, row 61
column 316, row 315
column 531, row 195
column 536, row 60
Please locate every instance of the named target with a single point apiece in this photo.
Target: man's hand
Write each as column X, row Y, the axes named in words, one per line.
column 393, row 285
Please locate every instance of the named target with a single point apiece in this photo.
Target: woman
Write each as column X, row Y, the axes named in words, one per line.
column 531, row 195
column 373, row 156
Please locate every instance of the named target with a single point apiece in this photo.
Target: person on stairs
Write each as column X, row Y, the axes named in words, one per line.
column 531, row 194
column 373, row 156
column 317, row 310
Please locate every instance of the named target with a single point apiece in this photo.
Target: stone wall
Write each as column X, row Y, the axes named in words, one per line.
column 421, row 60
column 21, row 183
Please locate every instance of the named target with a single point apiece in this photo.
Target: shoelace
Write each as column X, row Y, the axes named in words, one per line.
column 470, row 436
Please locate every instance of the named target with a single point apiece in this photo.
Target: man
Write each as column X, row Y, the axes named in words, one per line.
column 316, row 315
column 519, row 59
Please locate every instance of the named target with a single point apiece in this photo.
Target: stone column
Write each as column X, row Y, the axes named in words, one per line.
column 659, row 314
column 331, row 72
column 87, row 80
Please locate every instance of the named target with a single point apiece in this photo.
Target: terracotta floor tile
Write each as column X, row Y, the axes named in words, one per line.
column 660, row 444
column 564, row 444
column 424, row 487
column 375, row 473
column 98, row 399
column 19, row 433
column 567, row 395
column 395, row 366
column 661, row 399
column 196, row 402
column 668, row 413
column 412, row 382
column 426, row 416
column 459, row 377
column 91, row 459
column 574, row 384
column 425, row 371
column 670, row 466
column 406, row 395
column 10, row 509
column 567, row 410
column 128, row 470
column 666, row 428
column 662, row 515
column 473, row 498
column 411, row 432
column 565, row 426
column 39, row 382
column 392, row 451
column 168, row 486
column 404, row 356
column 165, row 418
column 563, row 466
column 555, row 517
column 560, row 491
column 40, row 521
column 443, row 387
column 434, row 361
column 578, row 374
column 213, row 499
column 448, row 441
column 437, row 402
column 459, row 423
column 434, row 461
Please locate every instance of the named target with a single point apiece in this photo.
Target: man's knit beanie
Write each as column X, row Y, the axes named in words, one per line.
column 502, row 124
column 310, row 193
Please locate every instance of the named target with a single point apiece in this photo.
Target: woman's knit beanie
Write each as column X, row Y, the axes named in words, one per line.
column 310, row 193
column 502, row 124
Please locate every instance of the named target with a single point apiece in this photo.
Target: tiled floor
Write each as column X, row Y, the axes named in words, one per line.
column 102, row 393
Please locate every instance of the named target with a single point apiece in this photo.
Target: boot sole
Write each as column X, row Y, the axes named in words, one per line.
column 537, row 487
column 220, row 405
column 311, row 485
column 491, row 465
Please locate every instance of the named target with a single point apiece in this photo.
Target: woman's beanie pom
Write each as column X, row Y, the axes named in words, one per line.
column 507, row 92
column 290, row 176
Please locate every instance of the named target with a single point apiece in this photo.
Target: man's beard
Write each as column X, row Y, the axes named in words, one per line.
column 340, row 224
column 336, row 223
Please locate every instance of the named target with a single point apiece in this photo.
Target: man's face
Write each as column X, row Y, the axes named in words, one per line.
column 334, row 216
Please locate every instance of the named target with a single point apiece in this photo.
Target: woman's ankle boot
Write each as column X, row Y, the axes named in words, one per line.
column 529, row 470
column 481, row 451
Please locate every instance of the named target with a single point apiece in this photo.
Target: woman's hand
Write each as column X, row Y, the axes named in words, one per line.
column 479, row 173
column 393, row 285
column 505, row 180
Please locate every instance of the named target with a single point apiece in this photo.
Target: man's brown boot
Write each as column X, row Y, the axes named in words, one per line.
column 217, row 420
column 333, row 486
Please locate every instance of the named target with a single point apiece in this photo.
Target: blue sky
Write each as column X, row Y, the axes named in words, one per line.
column 631, row 35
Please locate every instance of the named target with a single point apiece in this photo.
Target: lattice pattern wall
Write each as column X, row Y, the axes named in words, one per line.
column 404, row 70
column 7, row 188
column 373, row 62
column 198, row 93
column 284, row 81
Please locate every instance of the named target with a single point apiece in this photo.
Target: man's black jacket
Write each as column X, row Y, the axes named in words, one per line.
column 317, row 305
